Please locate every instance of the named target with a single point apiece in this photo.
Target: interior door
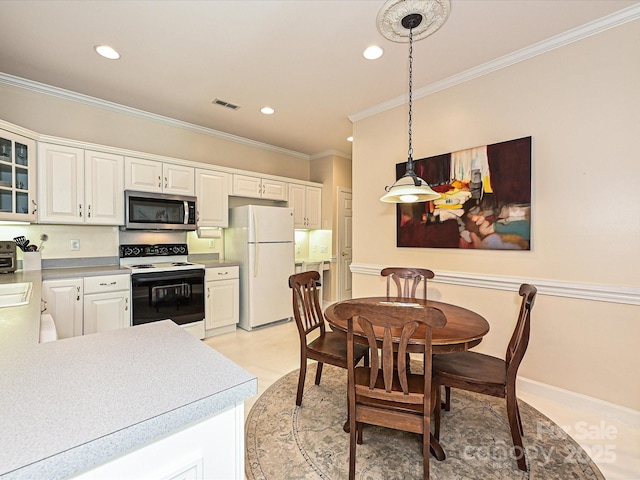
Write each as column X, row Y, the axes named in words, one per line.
column 345, row 243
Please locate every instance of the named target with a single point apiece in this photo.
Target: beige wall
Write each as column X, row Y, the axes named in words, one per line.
column 581, row 105
column 55, row 116
column 333, row 172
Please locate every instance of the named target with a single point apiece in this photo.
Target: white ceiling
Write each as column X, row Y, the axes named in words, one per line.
column 301, row 57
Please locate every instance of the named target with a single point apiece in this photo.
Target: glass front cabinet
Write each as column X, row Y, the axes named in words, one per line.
column 17, row 177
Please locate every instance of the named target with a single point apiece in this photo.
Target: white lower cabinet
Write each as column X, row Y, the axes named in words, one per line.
column 211, row 449
column 106, row 303
column 90, row 305
column 222, row 301
column 62, row 299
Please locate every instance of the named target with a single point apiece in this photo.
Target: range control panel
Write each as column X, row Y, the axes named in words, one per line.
column 166, row 249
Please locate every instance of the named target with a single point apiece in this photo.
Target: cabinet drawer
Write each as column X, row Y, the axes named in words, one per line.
column 106, row 283
column 222, row 273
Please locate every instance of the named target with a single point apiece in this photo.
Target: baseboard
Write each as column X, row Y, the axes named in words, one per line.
column 579, row 401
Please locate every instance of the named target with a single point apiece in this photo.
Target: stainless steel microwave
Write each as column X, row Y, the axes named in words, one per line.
column 157, row 211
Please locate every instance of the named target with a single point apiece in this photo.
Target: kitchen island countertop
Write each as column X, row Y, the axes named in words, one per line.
column 72, row 404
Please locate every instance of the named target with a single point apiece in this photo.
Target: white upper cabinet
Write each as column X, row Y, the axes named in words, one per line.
column 257, row 187
column 306, row 202
column 104, row 185
column 78, row 186
column 154, row 176
column 17, row 177
column 212, row 190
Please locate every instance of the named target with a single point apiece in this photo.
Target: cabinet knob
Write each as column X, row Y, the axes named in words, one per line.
column 208, row 292
column 35, row 207
column 89, row 211
column 159, row 181
column 80, row 208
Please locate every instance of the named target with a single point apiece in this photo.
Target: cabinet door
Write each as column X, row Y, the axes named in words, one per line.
column 17, row 177
column 314, row 208
column 222, row 303
column 297, row 202
column 104, row 185
column 106, row 311
column 274, row 189
column 61, row 184
column 142, row 175
column 212, row 190
column 63, row 300
column 246, row 186
column 178, row 179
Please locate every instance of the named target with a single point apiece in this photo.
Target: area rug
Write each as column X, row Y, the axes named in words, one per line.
column 288, row 442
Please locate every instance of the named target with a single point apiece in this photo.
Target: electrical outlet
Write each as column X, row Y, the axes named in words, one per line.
column 323, row 249
column 297, row 249
column 212, row 244
column 75, row 245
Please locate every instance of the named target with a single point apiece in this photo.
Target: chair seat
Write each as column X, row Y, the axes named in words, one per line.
column 471, row 367
column 334, row 346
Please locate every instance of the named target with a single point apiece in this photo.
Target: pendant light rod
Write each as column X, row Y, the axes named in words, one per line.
column 418, row 190
column 412, row 21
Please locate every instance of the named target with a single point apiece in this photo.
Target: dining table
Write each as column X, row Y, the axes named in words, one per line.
column 464, row 330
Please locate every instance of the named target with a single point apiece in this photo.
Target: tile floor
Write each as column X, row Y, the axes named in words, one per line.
column 271, row 352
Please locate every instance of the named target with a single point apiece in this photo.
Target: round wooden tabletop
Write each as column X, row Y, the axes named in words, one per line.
column 464, row 329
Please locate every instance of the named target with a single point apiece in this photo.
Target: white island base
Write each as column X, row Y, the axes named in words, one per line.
column 211, row 449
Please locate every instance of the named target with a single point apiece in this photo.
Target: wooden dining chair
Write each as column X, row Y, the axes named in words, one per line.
column 329, row 347
column 384, row 393
column 407, row 280
column 489, row 375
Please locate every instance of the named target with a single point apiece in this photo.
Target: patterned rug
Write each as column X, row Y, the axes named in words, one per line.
column 288, row 442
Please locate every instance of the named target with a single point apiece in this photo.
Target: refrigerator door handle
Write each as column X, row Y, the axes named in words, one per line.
column 256, row 246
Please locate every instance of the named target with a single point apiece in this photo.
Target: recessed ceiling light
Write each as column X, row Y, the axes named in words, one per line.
column 373, row 52
column 107, row 52
column 267, row 110
column 349, row 139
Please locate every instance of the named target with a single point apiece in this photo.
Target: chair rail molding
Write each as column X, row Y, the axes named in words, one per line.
column 555, row 288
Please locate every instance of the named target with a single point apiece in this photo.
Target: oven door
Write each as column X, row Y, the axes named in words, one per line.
column 177, row 296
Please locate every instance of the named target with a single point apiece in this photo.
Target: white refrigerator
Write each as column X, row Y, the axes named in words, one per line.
column 261, row 239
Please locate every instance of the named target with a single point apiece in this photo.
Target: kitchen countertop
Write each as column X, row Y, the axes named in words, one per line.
column 72, row 404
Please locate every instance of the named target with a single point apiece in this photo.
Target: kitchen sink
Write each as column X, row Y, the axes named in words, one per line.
column 15, row 294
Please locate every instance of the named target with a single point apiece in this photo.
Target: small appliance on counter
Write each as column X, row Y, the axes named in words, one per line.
column 7, row 256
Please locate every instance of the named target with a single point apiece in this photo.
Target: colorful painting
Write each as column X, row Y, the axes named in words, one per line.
column 485, row 202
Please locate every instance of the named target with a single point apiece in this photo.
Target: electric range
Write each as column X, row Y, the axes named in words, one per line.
column 164, row 285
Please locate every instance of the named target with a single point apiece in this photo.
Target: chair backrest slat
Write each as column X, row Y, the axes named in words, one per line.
column 407, row 280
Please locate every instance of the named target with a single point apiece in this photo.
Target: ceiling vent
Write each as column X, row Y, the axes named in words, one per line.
column 222, row 103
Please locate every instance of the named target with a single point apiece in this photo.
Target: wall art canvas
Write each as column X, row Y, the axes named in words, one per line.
column 485, row 199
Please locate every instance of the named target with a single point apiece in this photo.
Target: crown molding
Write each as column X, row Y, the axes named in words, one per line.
column 555, row 288
column 327, row 153
column 616, row 19
column 123, row 109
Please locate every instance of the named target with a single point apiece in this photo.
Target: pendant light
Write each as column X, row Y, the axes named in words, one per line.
column 394, row 19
